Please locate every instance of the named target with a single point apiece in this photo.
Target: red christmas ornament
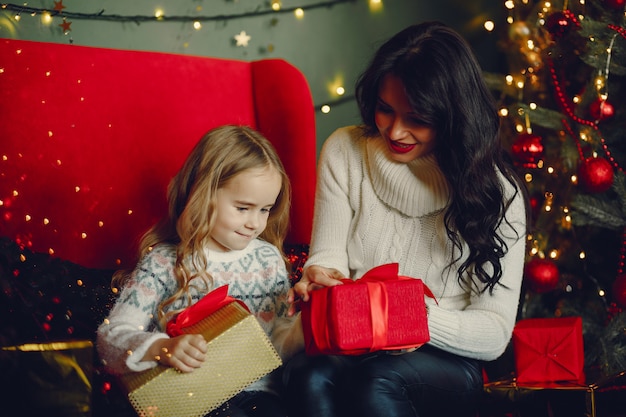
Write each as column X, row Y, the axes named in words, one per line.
column 601, row 109
column 561, row 23
column 527, row 149
column 619, row 290
column 595, row 175
column 615, row 4
column 542, row 275
column 535, row 206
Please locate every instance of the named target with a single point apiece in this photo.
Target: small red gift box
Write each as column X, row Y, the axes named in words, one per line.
column 380, row 311
column 549, row 350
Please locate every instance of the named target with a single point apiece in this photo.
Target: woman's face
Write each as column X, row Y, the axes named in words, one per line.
column 406, row 134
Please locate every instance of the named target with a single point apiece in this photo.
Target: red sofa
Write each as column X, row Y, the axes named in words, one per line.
column 90, row 137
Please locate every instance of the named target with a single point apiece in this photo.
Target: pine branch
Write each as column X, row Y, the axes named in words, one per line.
column 591, row 211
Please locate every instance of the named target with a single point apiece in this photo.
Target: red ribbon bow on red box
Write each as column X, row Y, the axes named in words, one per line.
column 380, row 311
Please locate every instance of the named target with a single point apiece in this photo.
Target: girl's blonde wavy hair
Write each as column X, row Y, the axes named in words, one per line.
column 217, row 158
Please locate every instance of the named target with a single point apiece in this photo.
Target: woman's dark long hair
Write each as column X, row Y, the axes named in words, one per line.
column 444, row 84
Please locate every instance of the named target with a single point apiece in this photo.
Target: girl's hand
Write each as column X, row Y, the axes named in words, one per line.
column 185, row 352
column 313, row 277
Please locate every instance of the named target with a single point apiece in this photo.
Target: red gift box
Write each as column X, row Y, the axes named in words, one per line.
column 549, row 350
column 380, row 311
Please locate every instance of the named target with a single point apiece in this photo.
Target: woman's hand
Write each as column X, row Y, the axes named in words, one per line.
column 313, row 277
column 185, row 352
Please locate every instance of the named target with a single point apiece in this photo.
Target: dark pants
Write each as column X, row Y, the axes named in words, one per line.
column 251, row 404
column 426, row 382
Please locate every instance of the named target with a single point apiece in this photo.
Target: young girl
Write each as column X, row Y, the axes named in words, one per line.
column 228, row 215
column 423, row 183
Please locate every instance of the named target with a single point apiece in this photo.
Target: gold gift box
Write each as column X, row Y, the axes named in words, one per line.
column 239, row 353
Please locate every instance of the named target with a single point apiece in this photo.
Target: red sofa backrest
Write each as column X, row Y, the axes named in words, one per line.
column 90, row 137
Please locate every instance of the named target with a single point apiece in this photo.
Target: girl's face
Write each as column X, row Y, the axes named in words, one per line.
column 243, row 207
column 407, row 136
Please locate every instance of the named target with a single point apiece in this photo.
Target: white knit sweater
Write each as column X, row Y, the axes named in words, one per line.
column 256, row 275
column 371, row 210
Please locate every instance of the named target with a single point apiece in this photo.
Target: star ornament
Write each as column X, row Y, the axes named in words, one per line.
column 242, row 38
column 58, row 6
column 66, row 26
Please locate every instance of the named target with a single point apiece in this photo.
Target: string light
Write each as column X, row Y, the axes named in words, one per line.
column 160, row 16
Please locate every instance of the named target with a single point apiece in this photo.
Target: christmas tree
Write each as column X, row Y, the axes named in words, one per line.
column 563, row 107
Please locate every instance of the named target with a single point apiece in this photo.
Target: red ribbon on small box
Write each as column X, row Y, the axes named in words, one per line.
column 380, row 311
column 549, row 350
column 206, row 306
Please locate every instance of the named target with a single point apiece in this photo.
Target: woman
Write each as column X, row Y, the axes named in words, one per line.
column 423, row 182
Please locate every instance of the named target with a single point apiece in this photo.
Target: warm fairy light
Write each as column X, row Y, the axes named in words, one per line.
column 340, row 90
column 15, row 193
column 50, row 251
column 130, row 211
column 46, row 18
column 100, row 223
column 504, row 112
column 519, row 128
column 574, row 179
column 17, row 17
column 197, row 25
column 528, row 177
column 582, row 255
column 530, row 44
column 554, row 254
column 509, row 79
column 533, row 106
column 299, row 12
column 509, row 4
column 83, row 235
column 489, row 25
column 276, row 5
column 375, row 5
column 77, row 189
column 325, row 109
column 520, row 84
column 540, row 163
column 158, row 13
column 46, row 221
column 601, row 293
column 27, row 218
column 550, row 170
